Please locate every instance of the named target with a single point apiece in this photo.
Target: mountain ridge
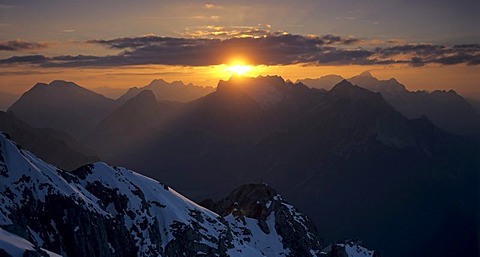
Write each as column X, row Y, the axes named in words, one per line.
column 163, row 90
column 62, row 105
column 110, row 211
column 446, row 108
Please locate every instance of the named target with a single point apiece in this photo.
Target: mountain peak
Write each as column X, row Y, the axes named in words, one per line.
column 145, row 98
column 265, row 90
column 146, row 94
column 347, row 89
column 250, row 193
column 64, row 84
column 58, row 82
column 366, row 74
column 263, row 79
column 342, row 85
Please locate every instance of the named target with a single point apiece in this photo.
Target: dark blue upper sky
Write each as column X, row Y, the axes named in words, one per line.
column 441, row 21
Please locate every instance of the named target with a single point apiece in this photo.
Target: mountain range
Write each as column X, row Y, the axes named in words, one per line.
column 68, row 107
column 101, row 210
column 175, row 91
column 446, row 109
column 355, row 163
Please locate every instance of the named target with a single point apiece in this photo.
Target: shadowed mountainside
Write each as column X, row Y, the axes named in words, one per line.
column 51, row 145
column 446, row 109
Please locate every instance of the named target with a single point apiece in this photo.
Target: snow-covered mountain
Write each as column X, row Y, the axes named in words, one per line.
column 100, row 210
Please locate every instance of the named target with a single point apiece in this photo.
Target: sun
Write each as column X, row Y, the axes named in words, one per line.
column 239, row 69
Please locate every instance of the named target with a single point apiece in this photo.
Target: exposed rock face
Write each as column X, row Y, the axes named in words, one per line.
column 260, row 203
column 348, row 248
column 99, row 210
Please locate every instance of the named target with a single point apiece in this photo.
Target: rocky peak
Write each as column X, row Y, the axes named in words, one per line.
column 145, row 96
column 251, row 200
column 267, row 91
column 39, row 86
column 366, row 74
column 347, row 89
column 157, row 82
column 60, row 83
column 272, row 214
column 348, row 248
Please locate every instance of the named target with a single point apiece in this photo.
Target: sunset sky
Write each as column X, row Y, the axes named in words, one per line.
column 425, row 44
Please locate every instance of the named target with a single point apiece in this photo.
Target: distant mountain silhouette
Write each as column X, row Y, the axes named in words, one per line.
column 446, row 109
column 6, row 100
column 132, row 124
column 51, row 145
column 174, row 91
column 64, row 106
column 324, row 82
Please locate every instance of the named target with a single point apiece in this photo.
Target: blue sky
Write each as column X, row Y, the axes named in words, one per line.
column 446, row 22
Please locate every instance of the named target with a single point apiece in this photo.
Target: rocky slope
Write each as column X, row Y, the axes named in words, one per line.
column 260, row 203
column 99, row 210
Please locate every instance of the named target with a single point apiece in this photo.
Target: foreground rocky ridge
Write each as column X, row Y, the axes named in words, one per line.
column 99, row 210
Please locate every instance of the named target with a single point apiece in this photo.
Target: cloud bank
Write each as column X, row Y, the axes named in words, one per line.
column 257, row 48
column 19, row 45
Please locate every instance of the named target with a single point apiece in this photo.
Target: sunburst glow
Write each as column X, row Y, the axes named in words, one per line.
column 239, row 69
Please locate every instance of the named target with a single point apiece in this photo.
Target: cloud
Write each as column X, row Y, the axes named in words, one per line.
column 422, row 54
column 259, row 47
column 20, row 45
column 27, row 59
column 226, row 32
column 211, row 6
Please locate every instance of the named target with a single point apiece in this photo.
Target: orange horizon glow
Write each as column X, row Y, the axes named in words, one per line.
column 462, row 78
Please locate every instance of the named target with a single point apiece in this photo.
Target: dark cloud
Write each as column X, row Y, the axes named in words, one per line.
column 423, row 54
column 19, row 45
column 331, row 39
column 274, row 49
column 343, row 57
column 27, row 59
